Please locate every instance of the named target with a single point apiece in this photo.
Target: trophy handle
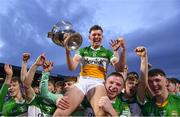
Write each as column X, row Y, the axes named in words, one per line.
column 55, row 39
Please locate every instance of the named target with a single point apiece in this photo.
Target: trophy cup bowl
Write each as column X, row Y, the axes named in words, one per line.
column 64, row 35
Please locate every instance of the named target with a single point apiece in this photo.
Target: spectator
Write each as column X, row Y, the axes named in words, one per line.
column 163, row 103
column 16, row 105
column 59, row 87
column 38, row 106
column 114, row 85
column 46, row 94
column 134, row 86
column 69, row 82
column 51, row 83
column 171, row 85
column 35, row 86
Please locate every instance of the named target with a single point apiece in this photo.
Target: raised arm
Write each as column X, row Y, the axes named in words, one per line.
column 25, row 58
column 9, row 73
column 4, row 89
column 119, row 66
column 125, row 72
column 142, row 53
column 115, row 46
column 44, row 92
column 30, row 76
column 72, row 62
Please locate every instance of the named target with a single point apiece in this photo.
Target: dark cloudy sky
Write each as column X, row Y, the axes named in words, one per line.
column 153, row 23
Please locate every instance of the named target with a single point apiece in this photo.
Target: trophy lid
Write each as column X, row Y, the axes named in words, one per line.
column 63, row 27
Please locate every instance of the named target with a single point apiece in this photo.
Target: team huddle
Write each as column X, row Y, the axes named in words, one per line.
column 93, row 93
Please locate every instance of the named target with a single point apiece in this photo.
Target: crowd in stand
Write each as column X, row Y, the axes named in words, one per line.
column 92, row 93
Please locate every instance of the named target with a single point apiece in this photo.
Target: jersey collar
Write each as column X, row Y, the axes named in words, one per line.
column 95, row 49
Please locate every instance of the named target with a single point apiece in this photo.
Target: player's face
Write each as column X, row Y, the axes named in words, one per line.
column 14, row 88
column 171, row 87
column 177, row 87
column 131, row 87
column 114, row 86
column 50, row 87
column 58, row 89
column 36, row 90
column 157, row 84
column 68, row 85
column 96, row 37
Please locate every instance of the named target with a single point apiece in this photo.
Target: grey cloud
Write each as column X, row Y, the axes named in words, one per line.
column 25, row 25
column 162, row 42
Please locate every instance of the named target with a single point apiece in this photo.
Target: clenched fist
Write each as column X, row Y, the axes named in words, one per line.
column 26, row 57
column 141, row 51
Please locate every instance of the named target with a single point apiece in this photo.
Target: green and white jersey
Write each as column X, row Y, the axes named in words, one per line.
column 47, row 107
column 94, row 62
column 3, row 93
column 11, row 107
column 122, row 108
column 171, row 107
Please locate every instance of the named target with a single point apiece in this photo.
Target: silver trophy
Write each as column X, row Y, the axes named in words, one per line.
column 64, row 35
